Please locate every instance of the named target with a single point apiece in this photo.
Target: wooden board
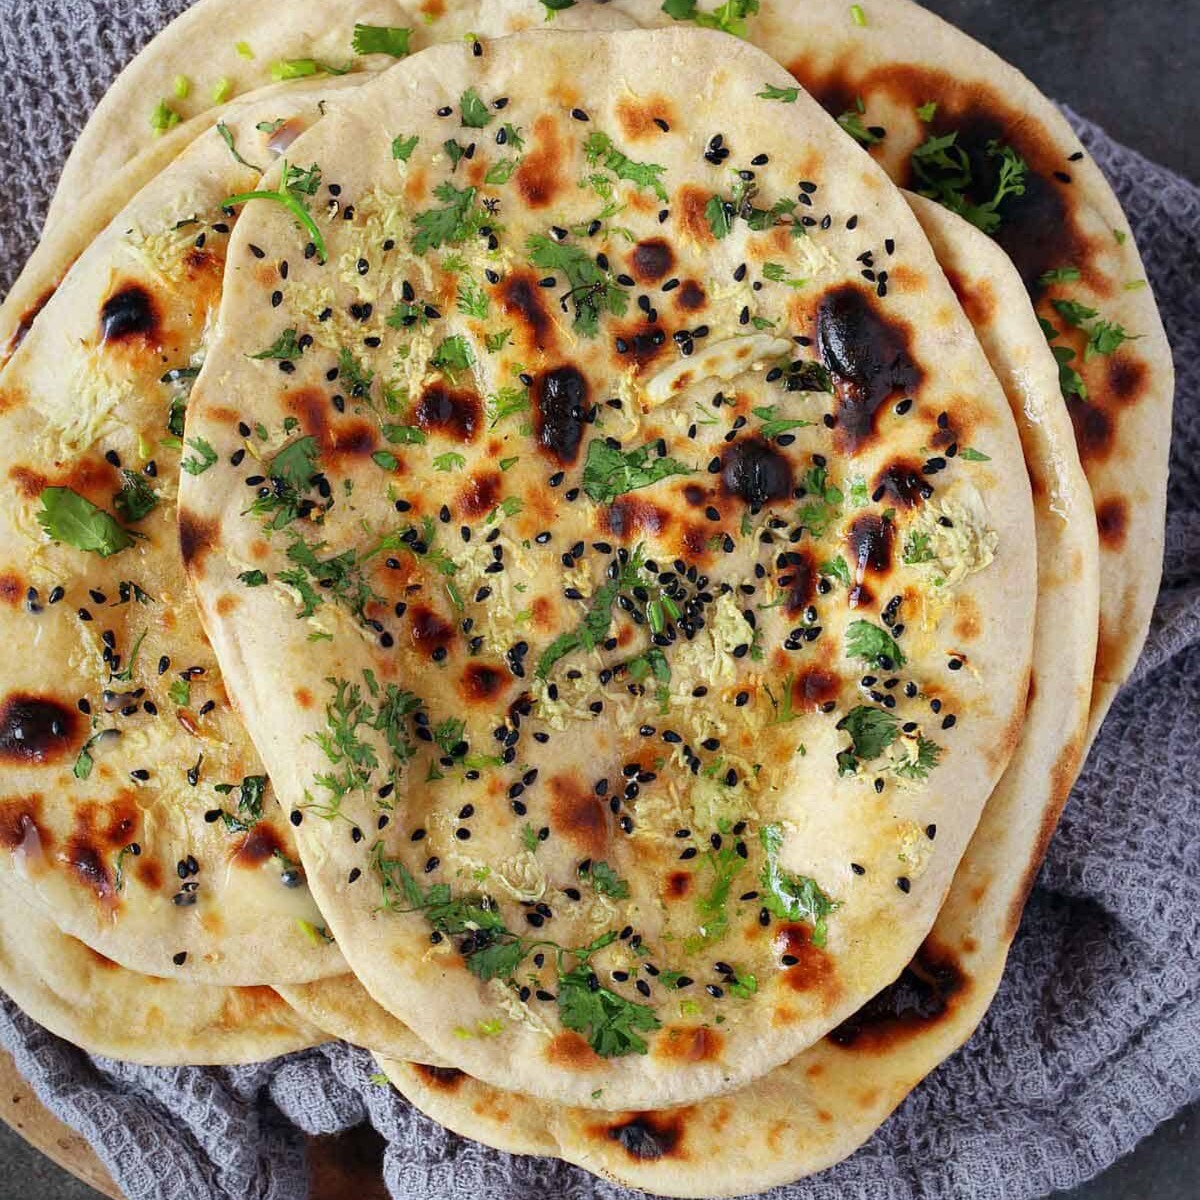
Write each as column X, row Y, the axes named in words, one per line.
column 21, row 1109
column 347, row 1166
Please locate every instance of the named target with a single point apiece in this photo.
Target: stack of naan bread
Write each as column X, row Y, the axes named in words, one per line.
column 579, row 546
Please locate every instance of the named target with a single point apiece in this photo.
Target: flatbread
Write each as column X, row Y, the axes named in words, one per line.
column 344, row 1010
column 74, row 395
column 375, row 588
column 901, row 58
column 104, row 1009
column 122, row 838
column 818, row 1108
column 245, row 44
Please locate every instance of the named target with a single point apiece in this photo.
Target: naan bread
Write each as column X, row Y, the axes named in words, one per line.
column 902, row 60
column 469, row 728
column 818, row 1108
column 344, row 1010
column 250, row 43
column 94, row 387
column 134, row 811
column 104, row 1009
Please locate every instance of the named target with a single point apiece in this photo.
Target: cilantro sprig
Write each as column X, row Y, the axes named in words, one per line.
column 593, row 291
column 295, row 184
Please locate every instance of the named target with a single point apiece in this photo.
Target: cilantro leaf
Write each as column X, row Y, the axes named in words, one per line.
column 927, row 111
column 68, row 517
column 474, row 112
column 453, row 354
column 871, row 730
column 1105, row 337
column 919, row 766
column 777, row 273
column 597, row 620
column 792, row 897
column 381, row 39
column 773, row 424
column 972, row 455
column 610, row 472
column 1073, row 312
column 943, row 172
column 206, row 456
column 450, row 225
column 852, row 122
column 719, row 215
column 785, row 95
column 472, row 299
column 605, row 880
column 837, row 568
column 870, row 642
column 253, row 579
column 729, row 17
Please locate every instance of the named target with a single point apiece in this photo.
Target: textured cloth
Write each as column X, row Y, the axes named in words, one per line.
column 1094, row 1037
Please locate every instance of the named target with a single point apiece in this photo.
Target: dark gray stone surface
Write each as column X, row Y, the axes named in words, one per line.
column 1134, row 68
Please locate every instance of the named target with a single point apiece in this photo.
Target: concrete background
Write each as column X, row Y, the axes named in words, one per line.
column 1135, row 68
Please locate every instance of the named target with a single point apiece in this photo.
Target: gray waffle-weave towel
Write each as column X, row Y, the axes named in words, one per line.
column 1094, row 1037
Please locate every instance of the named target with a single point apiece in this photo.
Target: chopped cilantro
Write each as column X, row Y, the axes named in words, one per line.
column 610, row 1023
column 472, row 299
column 453, row 354
column 450, row 225
column 943, row 172
column 599, row 148
column 598, row 619
column 875, row 645
column 852, row 122
column 777, row 273
column 205, row 457
column 1060, row 275
column 927, row 111
column 773, row 425
column 729, row 17
column 786, row 95
column 136, row 499
column 605, row 880
column 973, row 455
column 837, row 568
column 450, row 461
column 474, row 112
column 592, row 292
column 792, row 897
column 285, row 347
column 402, row 147
column 610, row 472
column 253, row 579
column 227, row 138
column 381, row 39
